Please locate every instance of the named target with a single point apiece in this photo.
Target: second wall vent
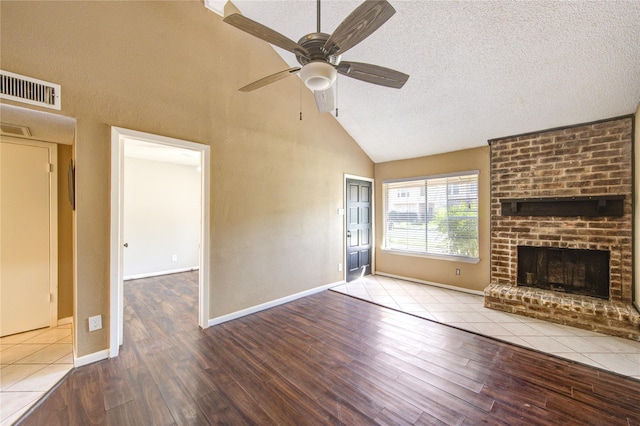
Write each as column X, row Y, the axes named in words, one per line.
column 29, row 90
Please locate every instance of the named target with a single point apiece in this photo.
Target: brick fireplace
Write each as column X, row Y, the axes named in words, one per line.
column 563, row 198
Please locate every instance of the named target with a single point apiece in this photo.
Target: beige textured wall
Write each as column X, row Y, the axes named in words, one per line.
column 173, row 68
column 472, row 276
column 65, row 236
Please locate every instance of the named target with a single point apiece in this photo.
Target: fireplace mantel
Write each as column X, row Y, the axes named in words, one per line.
column 592, row 206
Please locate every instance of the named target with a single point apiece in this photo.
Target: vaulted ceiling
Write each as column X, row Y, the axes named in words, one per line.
column 478, row 69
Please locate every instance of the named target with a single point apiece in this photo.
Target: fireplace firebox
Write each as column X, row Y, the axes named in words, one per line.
column 584, row 272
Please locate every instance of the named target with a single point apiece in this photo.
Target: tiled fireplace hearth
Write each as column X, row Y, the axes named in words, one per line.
column 561, row 235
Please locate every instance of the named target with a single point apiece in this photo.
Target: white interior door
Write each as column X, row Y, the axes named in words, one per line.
column 28, row 235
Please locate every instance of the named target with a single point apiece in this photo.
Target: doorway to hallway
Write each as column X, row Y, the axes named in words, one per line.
column 120, row 138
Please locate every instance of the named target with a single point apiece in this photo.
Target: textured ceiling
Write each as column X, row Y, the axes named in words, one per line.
column 479, row 69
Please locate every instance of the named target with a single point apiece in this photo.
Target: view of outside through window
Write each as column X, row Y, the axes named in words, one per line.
column 433, row 215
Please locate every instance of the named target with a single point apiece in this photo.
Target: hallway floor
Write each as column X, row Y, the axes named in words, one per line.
column 466, row 311
column 31, row 363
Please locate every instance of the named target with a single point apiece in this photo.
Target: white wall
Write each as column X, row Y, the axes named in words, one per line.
column 161, row 217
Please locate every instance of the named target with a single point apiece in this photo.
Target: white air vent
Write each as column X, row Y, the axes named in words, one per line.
column 14, row 129
column 29, row 90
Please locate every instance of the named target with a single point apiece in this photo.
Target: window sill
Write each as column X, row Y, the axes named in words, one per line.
column 448, row 258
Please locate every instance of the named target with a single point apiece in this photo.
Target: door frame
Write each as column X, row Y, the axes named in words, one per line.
column 118, row 137
column 345, row 243
column 53, row 219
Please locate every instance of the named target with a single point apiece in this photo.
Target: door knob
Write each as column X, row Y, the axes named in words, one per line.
column 348, row 234
column 126, row 244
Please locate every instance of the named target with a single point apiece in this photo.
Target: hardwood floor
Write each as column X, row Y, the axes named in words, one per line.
column 323, row 359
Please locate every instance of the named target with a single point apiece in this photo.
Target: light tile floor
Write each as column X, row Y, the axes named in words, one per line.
column 466, row 311
column 31, row 363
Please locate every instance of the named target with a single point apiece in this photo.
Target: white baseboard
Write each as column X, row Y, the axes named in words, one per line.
column 157, row 274
column 267, row 305
column 91, row 358
column 448, row 287
column 64, row 321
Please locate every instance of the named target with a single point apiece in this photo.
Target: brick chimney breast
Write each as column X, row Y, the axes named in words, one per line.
column 582, row 177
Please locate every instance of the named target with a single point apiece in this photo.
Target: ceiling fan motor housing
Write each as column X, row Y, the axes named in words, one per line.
column 314, row 43
column 318, row 69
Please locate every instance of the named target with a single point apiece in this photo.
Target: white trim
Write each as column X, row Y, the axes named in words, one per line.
column 65, row 321
column 431, row 283
column 205, row 233
column 74, row 248
column 53, row 226
column 118, row 137
column 273, row 303
column 344, row 222
column 91, row 358
column 438, row 176
column 157, row 274
column 447, row 257
column 117, row 196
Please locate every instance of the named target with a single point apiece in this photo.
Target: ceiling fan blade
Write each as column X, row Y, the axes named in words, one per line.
column 265, row 33
column 373, row 74
column 360, row 24
column 325, row 100
column 269, row 79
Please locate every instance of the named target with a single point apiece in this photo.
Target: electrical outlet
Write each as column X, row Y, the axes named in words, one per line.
column 339, row 267
column 174, row 257
column 457, row 271
column 95, row 323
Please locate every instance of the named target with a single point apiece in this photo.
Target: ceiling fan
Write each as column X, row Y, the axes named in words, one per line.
column 319, row 54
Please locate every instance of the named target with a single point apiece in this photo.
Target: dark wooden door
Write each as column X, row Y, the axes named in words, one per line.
column 359, row 229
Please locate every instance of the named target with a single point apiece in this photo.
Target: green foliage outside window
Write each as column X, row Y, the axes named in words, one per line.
column 459, row 224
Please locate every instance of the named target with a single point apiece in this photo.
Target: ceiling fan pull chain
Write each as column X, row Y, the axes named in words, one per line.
column 337, row 97
column 300, row 100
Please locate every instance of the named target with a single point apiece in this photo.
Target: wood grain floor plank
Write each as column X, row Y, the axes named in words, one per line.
column 115, row 388
column 434, row 373
column 218, row 410
column 125, row 414
column 182, row 406
column 259, row 379
column 323, row 359
column 339, row 366
column 149, row 400
column 338, row 397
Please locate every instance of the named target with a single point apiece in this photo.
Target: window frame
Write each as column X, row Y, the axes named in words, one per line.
column 425, row 253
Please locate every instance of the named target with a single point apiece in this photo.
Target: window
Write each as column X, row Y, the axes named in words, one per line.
column 436, row 215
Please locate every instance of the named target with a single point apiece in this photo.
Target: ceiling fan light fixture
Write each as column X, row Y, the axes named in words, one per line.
column 318, row 75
